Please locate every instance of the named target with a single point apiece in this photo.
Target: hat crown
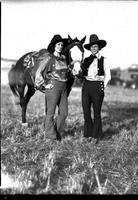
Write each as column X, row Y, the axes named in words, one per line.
column 93, row 38
column 56, row 38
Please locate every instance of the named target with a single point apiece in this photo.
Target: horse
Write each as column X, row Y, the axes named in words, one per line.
column 22, row 75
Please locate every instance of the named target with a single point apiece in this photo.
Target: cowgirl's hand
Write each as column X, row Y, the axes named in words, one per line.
column 105, row 86
column 49, row 86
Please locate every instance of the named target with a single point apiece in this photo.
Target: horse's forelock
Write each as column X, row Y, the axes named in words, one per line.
column 77, row 43
column 81, row 48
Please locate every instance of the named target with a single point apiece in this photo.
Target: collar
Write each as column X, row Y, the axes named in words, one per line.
column 61, row 57
column 98, row 55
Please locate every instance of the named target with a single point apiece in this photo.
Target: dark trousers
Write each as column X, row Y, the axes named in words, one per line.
column 92, row 95
column 57, row 96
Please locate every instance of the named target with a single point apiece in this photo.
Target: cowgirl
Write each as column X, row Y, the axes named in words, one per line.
column 96, row 73
column 54, row 70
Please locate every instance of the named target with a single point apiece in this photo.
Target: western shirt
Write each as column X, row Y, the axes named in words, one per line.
column 51, row 67
column 92, row 74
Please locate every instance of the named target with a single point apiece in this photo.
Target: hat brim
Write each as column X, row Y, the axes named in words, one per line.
column 101, row 44
column 64, row 40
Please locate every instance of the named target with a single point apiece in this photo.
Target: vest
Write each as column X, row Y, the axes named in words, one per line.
column 87, row 63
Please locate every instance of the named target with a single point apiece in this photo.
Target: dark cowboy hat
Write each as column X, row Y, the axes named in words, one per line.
column 95, row 40
column 56, row 39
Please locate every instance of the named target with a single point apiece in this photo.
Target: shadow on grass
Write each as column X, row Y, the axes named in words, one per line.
column 78, row 129
column 36, row 121
column 121, row 116
column 121, row 111
column 109, row 132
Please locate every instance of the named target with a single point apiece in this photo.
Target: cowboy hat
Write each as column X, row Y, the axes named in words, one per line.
column 56, row 39
column 95, row 40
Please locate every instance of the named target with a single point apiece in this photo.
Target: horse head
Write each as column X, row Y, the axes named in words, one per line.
column 75, row 54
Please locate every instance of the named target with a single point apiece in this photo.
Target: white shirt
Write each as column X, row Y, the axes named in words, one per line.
column 93, row 71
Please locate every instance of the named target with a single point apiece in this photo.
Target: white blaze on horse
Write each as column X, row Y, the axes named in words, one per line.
column 22, row 75
column 77, row 57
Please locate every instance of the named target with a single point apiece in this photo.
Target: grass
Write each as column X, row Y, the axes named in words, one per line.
column 74, row 165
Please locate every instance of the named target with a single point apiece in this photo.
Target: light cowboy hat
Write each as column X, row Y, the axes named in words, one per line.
column 95, row 40
column 56, row 39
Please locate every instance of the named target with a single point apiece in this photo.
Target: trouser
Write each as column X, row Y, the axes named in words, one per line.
column 57, row 96
column 92, row 94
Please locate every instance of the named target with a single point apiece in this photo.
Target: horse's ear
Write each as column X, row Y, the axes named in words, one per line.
column 83, row 39
column 69, row 39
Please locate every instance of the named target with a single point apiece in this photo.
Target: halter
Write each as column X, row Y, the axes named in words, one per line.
column 75, row 61
column 76, row 44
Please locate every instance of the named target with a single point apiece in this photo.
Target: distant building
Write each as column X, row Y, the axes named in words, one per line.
column 130, row 76
column 131, row 73
column 115, row 72
column 127, row 77
column 115, row 76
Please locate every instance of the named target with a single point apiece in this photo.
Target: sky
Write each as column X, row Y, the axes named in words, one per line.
column 30, row 25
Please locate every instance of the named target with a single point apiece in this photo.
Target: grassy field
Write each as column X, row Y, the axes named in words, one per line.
column 74, row 165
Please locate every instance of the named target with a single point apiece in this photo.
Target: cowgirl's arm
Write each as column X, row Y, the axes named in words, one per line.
column 107, row 72
column 39, row 80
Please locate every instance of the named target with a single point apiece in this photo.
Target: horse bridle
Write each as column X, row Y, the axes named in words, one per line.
column 75, row 61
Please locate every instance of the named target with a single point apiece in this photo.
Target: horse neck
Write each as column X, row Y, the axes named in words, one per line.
column 67, row 56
